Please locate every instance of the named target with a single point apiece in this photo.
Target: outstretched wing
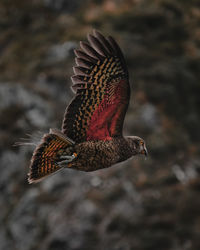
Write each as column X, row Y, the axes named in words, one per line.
column 102, row 91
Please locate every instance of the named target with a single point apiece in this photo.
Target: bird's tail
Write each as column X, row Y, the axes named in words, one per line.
column 47, row 155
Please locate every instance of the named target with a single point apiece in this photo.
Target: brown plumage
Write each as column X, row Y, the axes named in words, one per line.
column 91, row 136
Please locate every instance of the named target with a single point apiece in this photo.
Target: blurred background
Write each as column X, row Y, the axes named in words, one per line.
column 150, row 204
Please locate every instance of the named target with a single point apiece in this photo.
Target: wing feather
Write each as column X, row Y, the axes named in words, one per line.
column 104, row 42
column 96, row 45
column 80, row 71
column 90, row 51
column 102, row 91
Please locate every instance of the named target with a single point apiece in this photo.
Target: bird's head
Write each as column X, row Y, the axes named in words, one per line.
column 137, row 145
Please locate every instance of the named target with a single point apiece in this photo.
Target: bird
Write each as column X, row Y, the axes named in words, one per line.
column 91, row 137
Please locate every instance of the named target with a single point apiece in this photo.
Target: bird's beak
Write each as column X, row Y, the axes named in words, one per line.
column 144, row 151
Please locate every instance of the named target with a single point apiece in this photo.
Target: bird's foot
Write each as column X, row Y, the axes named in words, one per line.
column 66, row 159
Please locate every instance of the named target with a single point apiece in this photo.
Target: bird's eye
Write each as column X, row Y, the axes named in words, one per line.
column 137, row 143
column 141, row 143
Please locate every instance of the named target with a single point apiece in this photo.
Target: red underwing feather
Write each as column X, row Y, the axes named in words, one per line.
column 102, row 91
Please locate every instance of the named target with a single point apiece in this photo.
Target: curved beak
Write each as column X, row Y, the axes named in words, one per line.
column 144, row 151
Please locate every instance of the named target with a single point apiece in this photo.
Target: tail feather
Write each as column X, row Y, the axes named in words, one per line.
column 46, row 155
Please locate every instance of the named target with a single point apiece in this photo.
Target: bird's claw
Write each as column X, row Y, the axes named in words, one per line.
column 66, row 159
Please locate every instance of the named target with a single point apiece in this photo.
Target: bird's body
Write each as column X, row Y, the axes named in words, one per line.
column 94, row 155
column 92, row 131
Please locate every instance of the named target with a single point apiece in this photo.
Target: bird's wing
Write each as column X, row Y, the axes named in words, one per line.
column 102, row 91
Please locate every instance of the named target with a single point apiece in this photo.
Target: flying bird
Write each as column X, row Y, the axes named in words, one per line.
column 92, row 130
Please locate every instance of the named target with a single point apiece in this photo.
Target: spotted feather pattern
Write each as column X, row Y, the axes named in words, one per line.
column 100, row 83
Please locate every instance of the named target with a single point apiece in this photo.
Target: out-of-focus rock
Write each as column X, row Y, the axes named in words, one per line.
column 6, row 243
column 149, row 117
column 64, row 5
column 58, row 53
column 58, row 91
column 25, row 223
column 36, row 108
column 11, row 163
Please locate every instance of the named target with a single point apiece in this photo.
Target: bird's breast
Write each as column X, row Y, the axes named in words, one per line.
column 93, row 155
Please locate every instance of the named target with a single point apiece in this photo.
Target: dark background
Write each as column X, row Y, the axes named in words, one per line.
column 151, row 204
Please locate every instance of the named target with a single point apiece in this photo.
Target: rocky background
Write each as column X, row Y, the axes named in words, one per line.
column 150, row 204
